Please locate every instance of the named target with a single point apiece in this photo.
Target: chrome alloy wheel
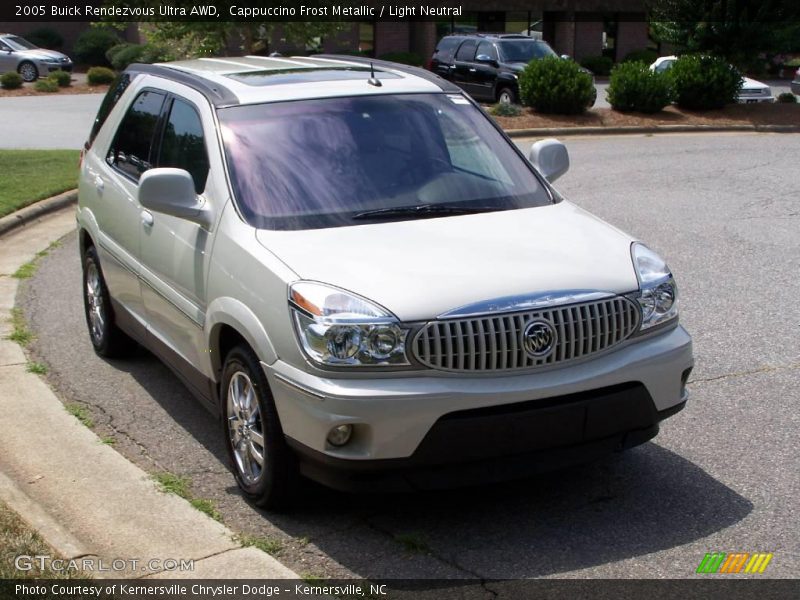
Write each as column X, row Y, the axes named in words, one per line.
column 94, row 298
column 28, row 72
column 245, row 428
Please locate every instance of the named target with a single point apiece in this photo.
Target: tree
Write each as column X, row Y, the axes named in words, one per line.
column 738, row 30
column 189, row 37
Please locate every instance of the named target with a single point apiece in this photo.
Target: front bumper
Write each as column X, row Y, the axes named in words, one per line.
column 45, row 68
column 755, row 99
column 392, row 414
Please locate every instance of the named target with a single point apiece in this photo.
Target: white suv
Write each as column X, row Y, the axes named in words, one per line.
column 354, row 267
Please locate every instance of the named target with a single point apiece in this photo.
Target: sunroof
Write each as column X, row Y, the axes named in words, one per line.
column 308, row 75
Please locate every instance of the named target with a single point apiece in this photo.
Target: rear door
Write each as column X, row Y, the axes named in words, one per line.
column 109, row 190
column 464, row 72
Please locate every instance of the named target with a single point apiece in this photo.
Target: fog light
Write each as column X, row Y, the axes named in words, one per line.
column 340, row 435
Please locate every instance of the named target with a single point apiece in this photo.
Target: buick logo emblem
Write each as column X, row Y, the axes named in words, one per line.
column 539, row 338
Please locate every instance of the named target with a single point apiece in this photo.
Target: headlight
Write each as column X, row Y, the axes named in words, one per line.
column 337, row 328
column 658, row 293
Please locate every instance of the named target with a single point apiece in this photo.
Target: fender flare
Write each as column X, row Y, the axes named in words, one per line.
column 236, row 314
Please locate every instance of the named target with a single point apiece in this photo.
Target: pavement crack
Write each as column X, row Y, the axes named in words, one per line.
column 767, row 369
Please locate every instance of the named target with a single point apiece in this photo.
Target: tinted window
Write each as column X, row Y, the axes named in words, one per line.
column 524, row 50
column 488, row 49
column 4, row 47
column 319, row 163
column 447, row 47
column 130, row 152
column 183, row 145
column 113, row 95
column 19, row 43
column 467, row 50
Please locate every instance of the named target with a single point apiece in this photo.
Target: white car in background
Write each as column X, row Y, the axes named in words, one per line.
column 752, row 91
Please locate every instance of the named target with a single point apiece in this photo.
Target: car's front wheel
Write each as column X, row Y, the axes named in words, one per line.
column 28, row 71
column 107, row 339
column 506, row 95
column 262, row 463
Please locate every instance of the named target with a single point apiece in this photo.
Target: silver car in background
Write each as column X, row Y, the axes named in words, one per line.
column 30, row 61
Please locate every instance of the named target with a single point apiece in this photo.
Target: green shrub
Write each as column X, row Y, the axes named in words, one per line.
column 646, row 56
column 45, row 37
column 99, row 76
column 404, row 58
column 599, row 65
column 704, row 82
column 633, row 86
column 122, row 55
column 11, row 81
column 46, row 85
column 91, row 46
column 787, row 98
column 505, row 109
column 555, row 85
column 62, row 78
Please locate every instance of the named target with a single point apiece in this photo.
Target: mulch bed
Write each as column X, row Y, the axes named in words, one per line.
column 734, row 114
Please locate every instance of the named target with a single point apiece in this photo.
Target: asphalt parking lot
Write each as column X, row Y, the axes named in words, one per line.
column 722, row 475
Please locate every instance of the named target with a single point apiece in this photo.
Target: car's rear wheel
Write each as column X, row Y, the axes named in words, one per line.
column 107, row 339
column 28, row 71
column 506, row 95
column 262, row 463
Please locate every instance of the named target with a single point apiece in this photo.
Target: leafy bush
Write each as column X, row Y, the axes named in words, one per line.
column 646, row 56
column 787, row 98
column 122, row 55
column 99, row 76
column 46, row 85
column 11, row 81
column 633, row 86
column 599, row 65
column 555, row 85
column 62, row 78
column 505, row 109
column 404, row 58
column 91, row 46
column 45, row 37
column 704, row 82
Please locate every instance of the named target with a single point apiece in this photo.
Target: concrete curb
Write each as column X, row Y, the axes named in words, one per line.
column 37, row 210
column 562, row 131
column 84, row 498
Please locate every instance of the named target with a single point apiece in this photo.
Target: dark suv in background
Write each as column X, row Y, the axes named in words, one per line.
column 486, row 65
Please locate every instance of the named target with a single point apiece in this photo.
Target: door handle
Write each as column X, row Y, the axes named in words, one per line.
column 147, row 218
column 472, row 70
column 99, row 184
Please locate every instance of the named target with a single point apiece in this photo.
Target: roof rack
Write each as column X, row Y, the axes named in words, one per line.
column 217, row 94
column 443, row 84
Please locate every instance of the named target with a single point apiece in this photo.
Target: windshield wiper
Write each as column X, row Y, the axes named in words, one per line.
column 423, row 211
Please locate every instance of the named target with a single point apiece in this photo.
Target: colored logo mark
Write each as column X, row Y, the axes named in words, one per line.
column 735, row 562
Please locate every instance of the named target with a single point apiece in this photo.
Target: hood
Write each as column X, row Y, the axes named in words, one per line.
column 421, row 269
column 42, row 54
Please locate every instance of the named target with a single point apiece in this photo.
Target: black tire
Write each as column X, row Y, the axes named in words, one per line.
column 108, row 340
column 273, row 483
column 28, row 71
column 506, row 95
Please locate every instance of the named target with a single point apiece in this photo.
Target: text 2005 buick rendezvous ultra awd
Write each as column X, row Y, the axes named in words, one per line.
column 366, row 279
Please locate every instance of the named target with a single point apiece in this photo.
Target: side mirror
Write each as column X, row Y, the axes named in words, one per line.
column 171, row 191
column 550, row 157
column 566, row 56
column 485, row 58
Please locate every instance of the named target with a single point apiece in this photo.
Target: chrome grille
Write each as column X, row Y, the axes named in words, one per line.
column 494, row 342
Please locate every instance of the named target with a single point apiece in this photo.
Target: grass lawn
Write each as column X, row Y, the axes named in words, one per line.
column 30, row 175
column 17, row 539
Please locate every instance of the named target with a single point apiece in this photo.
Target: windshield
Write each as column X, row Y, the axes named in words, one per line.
column 524, row 50
column 326, row 162
column 18, row 43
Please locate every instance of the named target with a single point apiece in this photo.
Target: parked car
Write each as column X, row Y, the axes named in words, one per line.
column 31, row 62
column 487, row 66
column 350, row 264
column 796, row 83
column 751, row 92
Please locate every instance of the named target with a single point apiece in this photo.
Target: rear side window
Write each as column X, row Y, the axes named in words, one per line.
column 467, row 50
column 183, row 145
column 113, row 95
column 130, row 152
column 446, row 48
